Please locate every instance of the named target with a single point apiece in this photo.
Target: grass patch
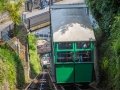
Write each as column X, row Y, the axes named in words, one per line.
column 11, row 69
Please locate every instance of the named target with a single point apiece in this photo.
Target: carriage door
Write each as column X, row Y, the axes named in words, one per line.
column 83, row 62
column 64, row 63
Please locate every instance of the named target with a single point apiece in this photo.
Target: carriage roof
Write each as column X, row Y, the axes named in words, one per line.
column 71, row 24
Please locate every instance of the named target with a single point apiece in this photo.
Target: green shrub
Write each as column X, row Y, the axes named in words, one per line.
column 35, row 66
column 107, row 14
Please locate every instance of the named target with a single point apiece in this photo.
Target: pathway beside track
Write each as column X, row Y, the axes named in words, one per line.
column 39, row 11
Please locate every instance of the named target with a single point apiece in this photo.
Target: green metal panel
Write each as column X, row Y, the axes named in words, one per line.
column 65, row 73
column 83, row 72
column 55, row 53
column 92, row 46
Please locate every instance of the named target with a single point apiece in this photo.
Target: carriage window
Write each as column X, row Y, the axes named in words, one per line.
column 65, row 57
column 36, row 35
column 82, row 45
column 41, row 35
column 45, row 35
column 83, row 56
column 65, row 46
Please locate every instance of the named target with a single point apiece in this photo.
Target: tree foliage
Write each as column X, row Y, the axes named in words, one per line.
column 107, row 14
column 1, row 6
column 14, row 8
column 104, row 11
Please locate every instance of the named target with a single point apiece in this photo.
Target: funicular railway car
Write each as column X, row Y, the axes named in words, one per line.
column 72, row 44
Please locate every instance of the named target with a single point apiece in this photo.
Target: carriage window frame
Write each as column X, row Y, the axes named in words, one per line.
column 45, row 35
column 74, row 50
column 84, row 45
column 36, row 35
column 41, row 35
column 91, row 48
column 83, row 56
column 63, row 51
column 66, row 58
column 72, row 45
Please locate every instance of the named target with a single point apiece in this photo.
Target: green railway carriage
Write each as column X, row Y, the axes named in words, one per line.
column 72, row 44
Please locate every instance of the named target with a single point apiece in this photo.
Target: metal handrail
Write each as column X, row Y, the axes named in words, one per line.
column 8, row 40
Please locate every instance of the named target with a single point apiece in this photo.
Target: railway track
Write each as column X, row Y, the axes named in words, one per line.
column 43, row 81
column 87, row 87
column 71, row 86
column 32, row 85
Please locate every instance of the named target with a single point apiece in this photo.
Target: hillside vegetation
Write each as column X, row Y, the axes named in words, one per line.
column 1, row 6
column 12, row 74
column 107, row 14
column 11, row 66
column 11, row 70
column 35, row 66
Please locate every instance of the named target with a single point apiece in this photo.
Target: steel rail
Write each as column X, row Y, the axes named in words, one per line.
column 42, row 80
column 51, row 80
column 91, row 87
column 94, row 87
column 54, row 83
column 78, row 88
column 31, row 84
column 62, row 87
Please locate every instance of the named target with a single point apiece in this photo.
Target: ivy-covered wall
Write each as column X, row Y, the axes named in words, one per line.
column 107, row 14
